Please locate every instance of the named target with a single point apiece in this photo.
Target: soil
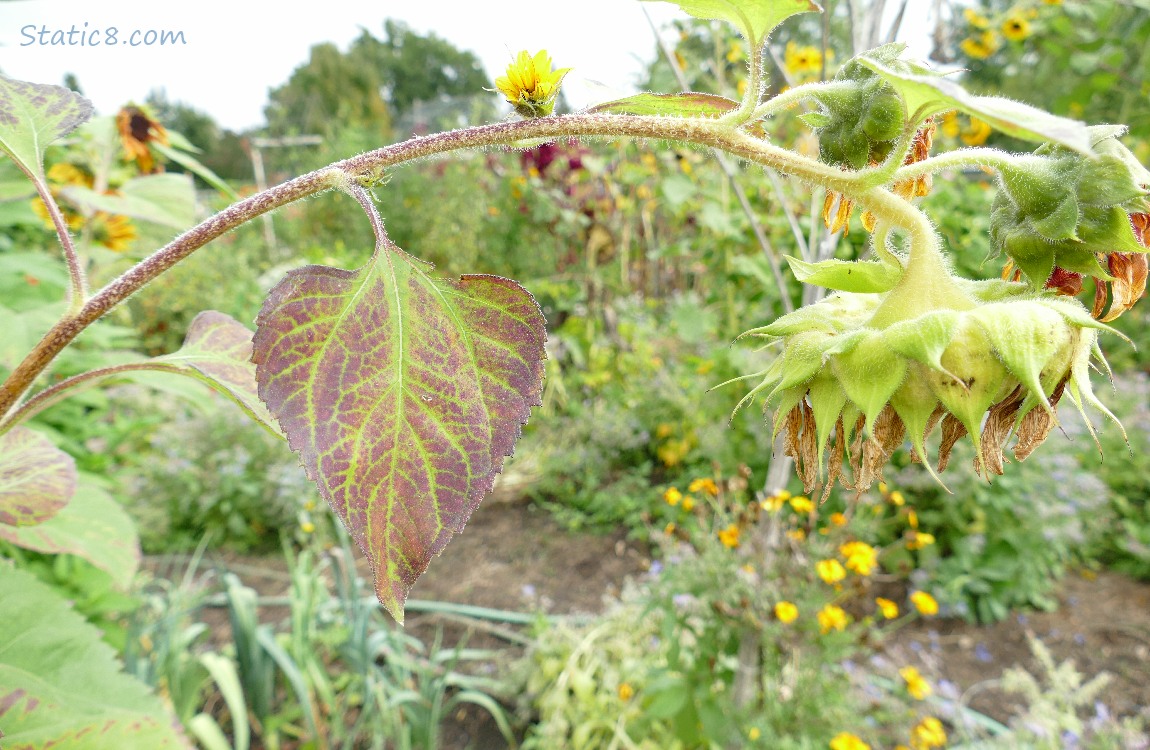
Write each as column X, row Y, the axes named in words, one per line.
column 513, row 556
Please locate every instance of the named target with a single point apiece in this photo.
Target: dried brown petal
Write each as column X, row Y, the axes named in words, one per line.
column 809, row 447
column 952, row 431
column 835, row 463
column 1037, row 425
column 1129, row 284
column 996, row 431
column 1099, row 299
column 1065, row 282
column 889, row 431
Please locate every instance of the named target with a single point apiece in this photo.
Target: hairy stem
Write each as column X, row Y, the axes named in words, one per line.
column 79, row 279
column 705, row 132
column 964, row 157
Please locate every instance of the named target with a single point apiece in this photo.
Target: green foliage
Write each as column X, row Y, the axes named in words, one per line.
column 60, row 685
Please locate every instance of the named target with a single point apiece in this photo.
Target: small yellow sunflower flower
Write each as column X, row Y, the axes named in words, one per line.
column 530, row 85
column 848, row 741
column 113, row 231
column 832, row 617
column 798, row 60
column 672, row 496
column 980, row 47
column 977, row 133
column 786, row 612
column 927, row 734
column 924, row 603
column 916, row 684
column 831, row 571
column 1015, row 28
column 888, row 608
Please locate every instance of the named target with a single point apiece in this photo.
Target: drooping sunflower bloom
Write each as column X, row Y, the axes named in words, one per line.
column 980, row 46
column 1015, row 27
column 137, row 129
column 530, row 85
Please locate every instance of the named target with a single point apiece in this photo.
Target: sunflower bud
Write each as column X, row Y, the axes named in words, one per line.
column 846, row 390
column 860, row 124
column 1058, row 209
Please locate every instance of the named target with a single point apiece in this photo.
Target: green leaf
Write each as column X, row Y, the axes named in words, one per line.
column 166, row 199
column 60, row 685
column 92, row 526
column 402, row 394
column 178, row 153
column 218, row 351
column 927, row 93
column 33, row 115
column 847, row 275
column 690, row 104
column 36, row 478
column 755, row 19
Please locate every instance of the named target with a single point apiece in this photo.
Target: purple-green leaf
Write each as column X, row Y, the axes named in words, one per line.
column 33, row 115
column 36, row 478
column 402, row 394
column 92, row 526
column 690, row 104
column 217, row 350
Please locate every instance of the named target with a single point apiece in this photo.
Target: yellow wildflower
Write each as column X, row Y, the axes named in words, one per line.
column 919, row 539
column 838, row 519
column 786, row 612
column 798, row 60
column 888, row 608
column 775, row 502
column 802, row 504
column 626, row 692
column 530, row 85
column 976, row 19
column 912, row 518
column 796, row 535
column 896, row 498
column 848, row 741
column 1015, row 28
column 927, row 734
column 705, row 484
column 672, row 496
column 924, row 603
column 730, row 536
column 664, row 430
column 669, row 529
column 735, row 53
column 882, row 487
column 950, row 124
column 307, row 527
column 1052, row 2
column 831, row 571
column 860, row 556
column 688, row 504
column 980, row 47
column 832, row 617
column 916, row 684
column 754, row 733
column 976, row 134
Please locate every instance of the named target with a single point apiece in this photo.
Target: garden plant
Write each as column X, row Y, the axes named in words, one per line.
column 402, row 392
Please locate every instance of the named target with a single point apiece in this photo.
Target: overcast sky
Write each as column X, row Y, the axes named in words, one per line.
column 235, row 51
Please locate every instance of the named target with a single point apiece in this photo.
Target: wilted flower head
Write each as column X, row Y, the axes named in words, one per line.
column 530, row 85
